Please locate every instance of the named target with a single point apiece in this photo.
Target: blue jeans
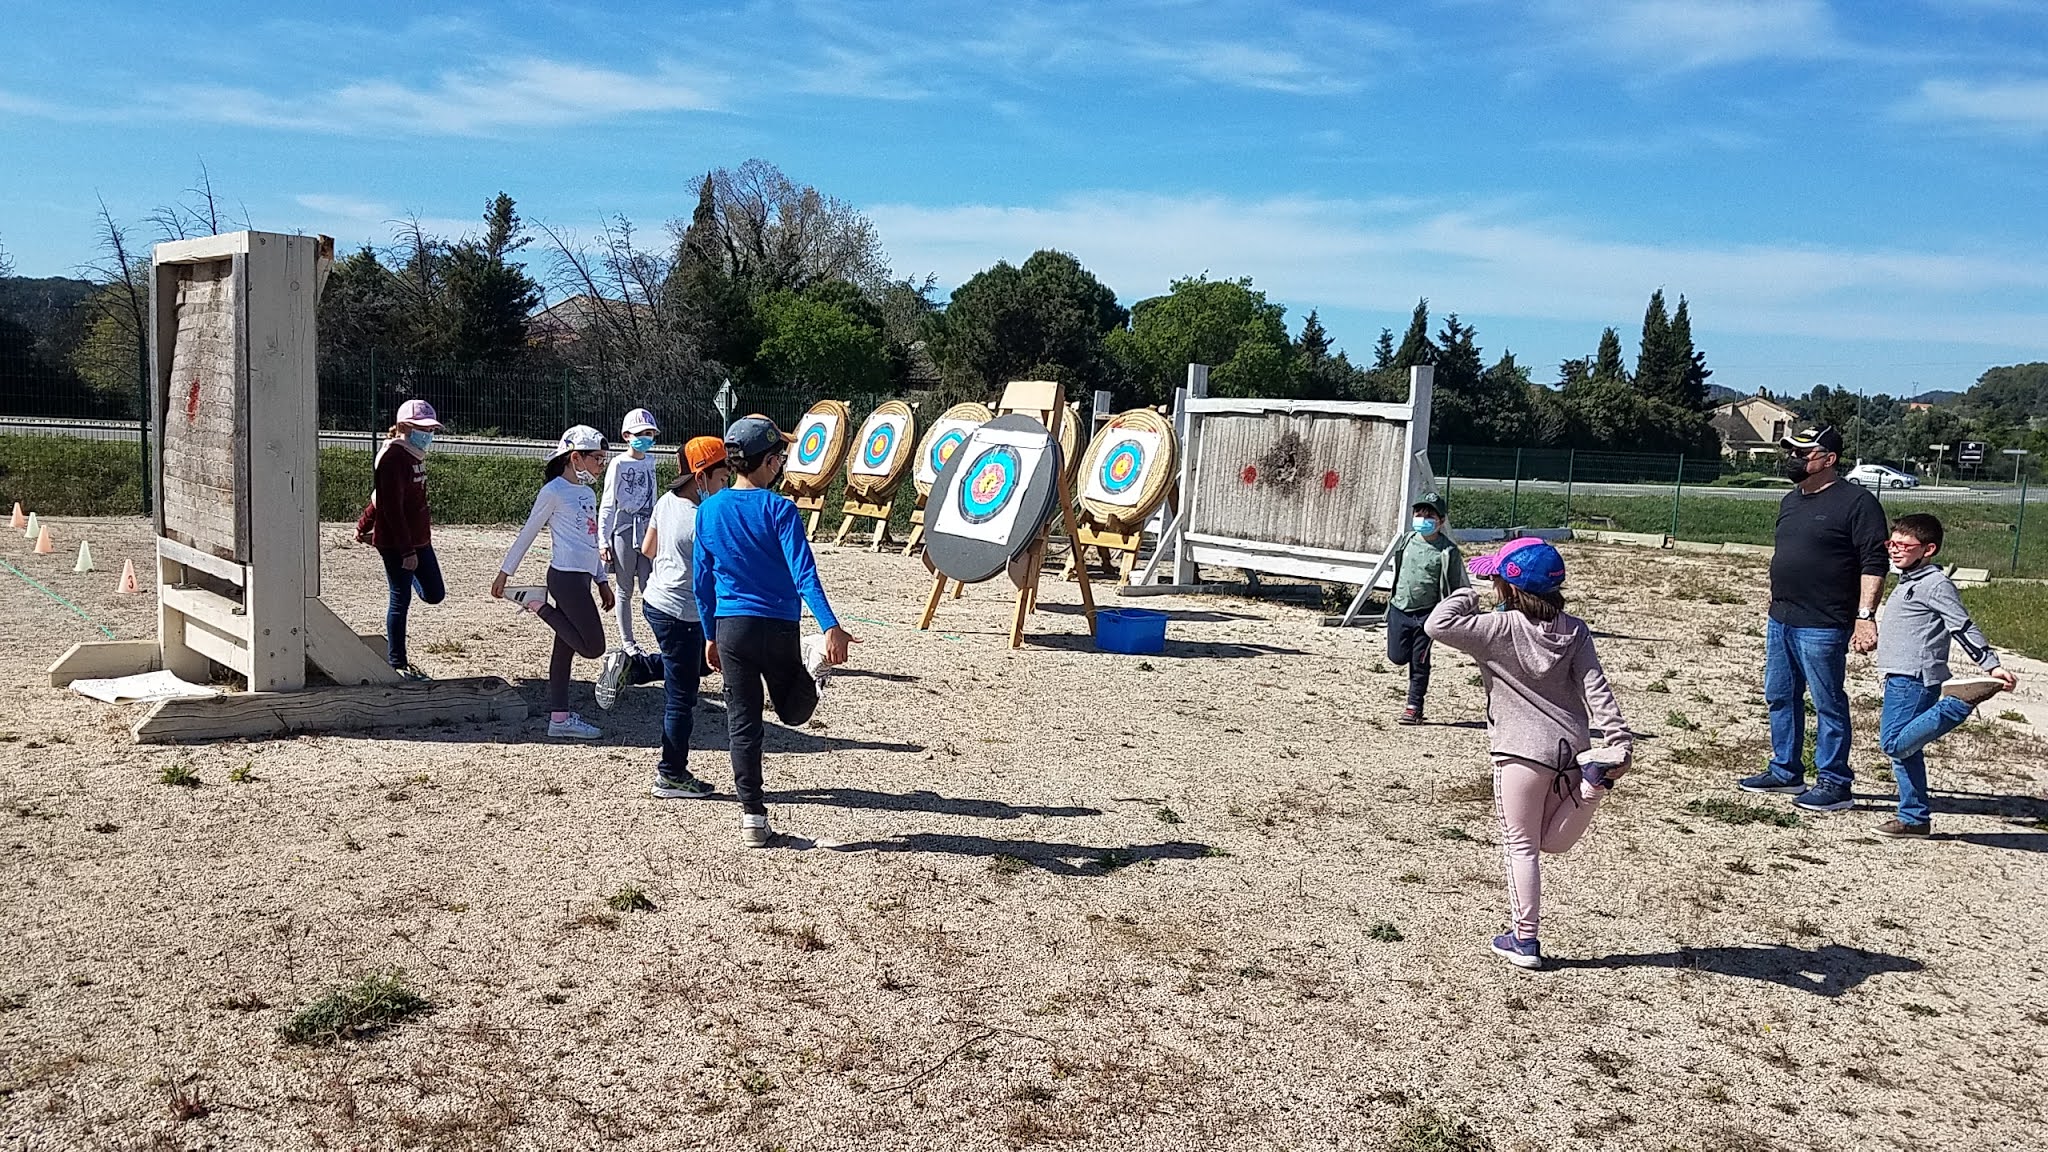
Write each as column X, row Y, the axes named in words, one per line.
column 1915, row 715
column 682, row 657
column 424, row 578
column 1808, row 661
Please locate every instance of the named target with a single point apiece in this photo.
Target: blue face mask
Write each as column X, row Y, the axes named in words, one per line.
column 419, row 439
column 642, row 443
column 1424, row 526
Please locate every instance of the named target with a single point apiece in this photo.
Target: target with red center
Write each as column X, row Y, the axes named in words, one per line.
column 989, row 481
column 812, row 447
column 1120, row 468
column 874, row 451
column 992, row 497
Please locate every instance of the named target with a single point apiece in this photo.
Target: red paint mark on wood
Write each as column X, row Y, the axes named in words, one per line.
column 1249, row 475
column 192, row 401
column 1330, row 481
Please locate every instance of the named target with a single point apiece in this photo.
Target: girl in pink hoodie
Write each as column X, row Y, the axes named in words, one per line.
column 1545, row 691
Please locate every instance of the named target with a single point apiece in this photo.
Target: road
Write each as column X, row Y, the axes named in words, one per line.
column 1663, row 491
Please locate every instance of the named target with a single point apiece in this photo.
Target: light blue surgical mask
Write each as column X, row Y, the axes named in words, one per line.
column 1425, row 526
column 642, row 443
column 419, row 439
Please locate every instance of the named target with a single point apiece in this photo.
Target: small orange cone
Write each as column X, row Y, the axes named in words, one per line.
column 20, row 517
column 43, row 545
column 127, row 587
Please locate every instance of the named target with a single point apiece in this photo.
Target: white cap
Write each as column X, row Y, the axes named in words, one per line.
column 581, row 438
column 639, row 420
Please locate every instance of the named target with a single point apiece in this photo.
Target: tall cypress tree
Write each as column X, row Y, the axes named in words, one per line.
column 1660, row 370
column 1692, row 387
column 1607, row 363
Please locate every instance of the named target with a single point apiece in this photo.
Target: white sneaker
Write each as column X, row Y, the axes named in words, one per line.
column 754, row 831
column 610, row 675
column 574, row 728
column 1973, row 690
column 527, row 598
column 814, row 659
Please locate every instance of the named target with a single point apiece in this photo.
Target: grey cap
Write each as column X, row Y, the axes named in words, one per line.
column 754, row 437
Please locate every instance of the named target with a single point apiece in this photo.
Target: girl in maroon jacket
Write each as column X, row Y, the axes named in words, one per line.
column 399, row 525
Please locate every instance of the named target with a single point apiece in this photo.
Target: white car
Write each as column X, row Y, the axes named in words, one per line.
column 1879, row 476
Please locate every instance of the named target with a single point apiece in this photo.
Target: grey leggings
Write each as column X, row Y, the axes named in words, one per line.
column 579, row 630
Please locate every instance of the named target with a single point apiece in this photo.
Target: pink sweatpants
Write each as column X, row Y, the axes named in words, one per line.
column 1536, row 816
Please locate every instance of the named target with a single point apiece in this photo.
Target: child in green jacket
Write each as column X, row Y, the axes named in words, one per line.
column 1426, row 569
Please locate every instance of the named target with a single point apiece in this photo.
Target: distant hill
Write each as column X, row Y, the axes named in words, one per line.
column 1938, row 396
column 45, row 305
column 1718, row 395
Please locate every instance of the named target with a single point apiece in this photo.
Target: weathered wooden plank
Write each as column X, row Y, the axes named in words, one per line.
column 206, row 562
column 334, row 648
column 216, row 612
column 103, row 659
column 258, row 714
column 222, row 649
column 280, row 440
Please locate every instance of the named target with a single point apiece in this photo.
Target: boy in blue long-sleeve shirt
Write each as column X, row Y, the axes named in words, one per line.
column 753, row 574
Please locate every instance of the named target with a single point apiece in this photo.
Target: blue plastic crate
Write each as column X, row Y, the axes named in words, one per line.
column 1133, row 631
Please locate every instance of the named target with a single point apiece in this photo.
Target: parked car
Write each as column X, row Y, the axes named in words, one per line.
column 1881, row 476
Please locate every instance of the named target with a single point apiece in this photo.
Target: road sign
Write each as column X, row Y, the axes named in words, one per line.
column 1972, row 452
column 725, row 399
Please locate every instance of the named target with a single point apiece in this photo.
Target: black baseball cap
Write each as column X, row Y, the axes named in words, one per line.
column 1825, row 439
column 754, row 437
column 1431, row 501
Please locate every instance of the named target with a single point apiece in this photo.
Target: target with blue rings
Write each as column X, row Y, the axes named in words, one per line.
column 944, row 447
column 1121, row 468
column 881, row 441
column 987, row 483
column 811, row 447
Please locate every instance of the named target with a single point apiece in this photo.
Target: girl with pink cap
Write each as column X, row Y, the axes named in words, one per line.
column 398, row 523
column 1545, row 692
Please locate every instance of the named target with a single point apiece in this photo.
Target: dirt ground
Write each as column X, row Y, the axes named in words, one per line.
column 1044, row 898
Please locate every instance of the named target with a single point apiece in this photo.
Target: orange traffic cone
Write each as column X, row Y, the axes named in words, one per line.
column 43, row 545
column 20, row 518
column 127, row 586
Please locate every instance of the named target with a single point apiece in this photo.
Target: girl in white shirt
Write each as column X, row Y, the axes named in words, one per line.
column 568, row 508
column 623, row 515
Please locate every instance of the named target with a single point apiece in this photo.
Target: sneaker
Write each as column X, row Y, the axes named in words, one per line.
column 1973, row 690
column 574, row 728
column 611, row 673
column 1825, row 797
column 1517, row 951
column 1594, row 764
column 1897, row 827
column 814, row 659
column 1772, row 782
column 754, row 830
column 1410, row 715
column 686, row 787
column 527, row 598
column 411, row 674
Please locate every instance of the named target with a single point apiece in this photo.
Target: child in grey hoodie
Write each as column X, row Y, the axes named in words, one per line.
column 1545, row 691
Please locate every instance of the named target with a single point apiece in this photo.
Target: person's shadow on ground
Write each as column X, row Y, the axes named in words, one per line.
column 1017, row 855
column 921, row 801
column 1829, row 970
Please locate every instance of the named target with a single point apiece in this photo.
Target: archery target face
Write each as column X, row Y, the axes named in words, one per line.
column 983, row 505
column 1119, row 474
column 881, row 444
column 946, row 438
column 808, row 456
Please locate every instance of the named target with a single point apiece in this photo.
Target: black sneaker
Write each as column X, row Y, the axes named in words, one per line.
column 1825, row 797
column 411, row 674
column 1410, row 715
column 687, row 787
column 1772, row 782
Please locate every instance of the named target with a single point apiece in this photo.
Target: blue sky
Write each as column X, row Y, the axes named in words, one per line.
column 1849, row 194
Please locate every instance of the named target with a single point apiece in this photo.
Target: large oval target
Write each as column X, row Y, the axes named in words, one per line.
column 943, row 439
column 1128, row 469
column 882, row 451
column 992, row 498
column 820, row 446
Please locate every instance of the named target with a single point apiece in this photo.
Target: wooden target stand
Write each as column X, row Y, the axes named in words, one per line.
column 863, row 490
column 1044, row 401
column 807, row 490
column 970, row 413
column 1117, row 532
column 236, row 464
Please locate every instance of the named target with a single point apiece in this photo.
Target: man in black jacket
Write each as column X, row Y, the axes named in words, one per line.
column 1826, row 573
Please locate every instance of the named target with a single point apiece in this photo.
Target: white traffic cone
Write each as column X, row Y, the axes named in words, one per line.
column 84, row 557
column 33, row 526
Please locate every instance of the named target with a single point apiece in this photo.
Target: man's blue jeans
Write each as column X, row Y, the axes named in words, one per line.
column 682, row 657
column 1808, row 661
column 1915, row 715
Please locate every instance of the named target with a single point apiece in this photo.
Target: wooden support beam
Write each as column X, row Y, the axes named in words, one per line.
column 334, row 648
column 105, row 659
column 260, row 714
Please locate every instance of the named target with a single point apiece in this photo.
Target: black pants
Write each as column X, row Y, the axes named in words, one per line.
column 1408, row 644
column 579, row 630
column 755, row 651
column 425, row 578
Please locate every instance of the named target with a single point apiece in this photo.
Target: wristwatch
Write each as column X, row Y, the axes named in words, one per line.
column 1865, row 614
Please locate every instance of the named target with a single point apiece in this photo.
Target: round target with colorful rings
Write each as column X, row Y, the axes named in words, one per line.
column 943, row 439
column 819, row 448
column 1128, row 469
column 988, row 482
column 882, row 454
column 992, row 498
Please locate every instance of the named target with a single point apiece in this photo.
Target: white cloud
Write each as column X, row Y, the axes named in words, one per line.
column 2019, row 107
column 352, row 220
column 1381, row 256
column 513, row 94
column 1656, row 36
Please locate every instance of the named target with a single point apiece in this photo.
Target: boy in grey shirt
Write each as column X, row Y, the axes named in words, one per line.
column 1921, row 703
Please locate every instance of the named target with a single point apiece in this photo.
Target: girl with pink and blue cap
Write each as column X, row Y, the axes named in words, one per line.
column 1545, row 694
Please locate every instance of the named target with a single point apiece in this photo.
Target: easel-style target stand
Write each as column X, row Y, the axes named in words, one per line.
column 819, row 449
column 1042, row 400
column 236, row 463
column 870, row 478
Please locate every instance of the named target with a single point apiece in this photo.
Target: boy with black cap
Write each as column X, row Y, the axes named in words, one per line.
column 752, row 574
column 1427, row 569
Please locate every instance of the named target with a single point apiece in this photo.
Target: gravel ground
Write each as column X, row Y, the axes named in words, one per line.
column 1041, row 898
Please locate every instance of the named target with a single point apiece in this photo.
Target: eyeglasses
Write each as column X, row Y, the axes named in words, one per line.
column 1895, row 544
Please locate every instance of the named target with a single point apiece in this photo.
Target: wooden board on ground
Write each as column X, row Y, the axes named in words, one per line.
column 236, row 715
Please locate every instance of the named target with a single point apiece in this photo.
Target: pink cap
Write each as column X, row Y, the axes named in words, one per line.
column 1490, row 565
column 418, row 413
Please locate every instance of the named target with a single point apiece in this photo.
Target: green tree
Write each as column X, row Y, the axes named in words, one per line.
column 1388, row 378
column 487, row 298
column 1476, row 404
column 1048, row 313
column 1607, row 363
column 812, row 340
column 2010, row 395
column 1692, row 384
column 1226, row 324
column 359, row 308
column 1324, row 373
